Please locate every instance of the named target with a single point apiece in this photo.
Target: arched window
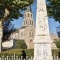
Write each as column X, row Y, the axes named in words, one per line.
column 28, row 14
column 31, row 15
column 26, row 21
column 31, row 33
column 30, row 21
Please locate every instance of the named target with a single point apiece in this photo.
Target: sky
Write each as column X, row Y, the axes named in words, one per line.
column 52, row 23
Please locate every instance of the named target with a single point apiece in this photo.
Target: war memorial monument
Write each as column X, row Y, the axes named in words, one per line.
column 42, row 40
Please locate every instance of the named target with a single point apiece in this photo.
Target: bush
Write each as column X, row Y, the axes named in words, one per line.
column 55, row 51
column 20, row 44
column 29, row 52
column 11, row 52
column 58, row 43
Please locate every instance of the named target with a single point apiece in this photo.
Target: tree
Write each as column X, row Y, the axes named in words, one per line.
column 10, row 10
column 58, row 31
column 53, row 8
column 8, row 28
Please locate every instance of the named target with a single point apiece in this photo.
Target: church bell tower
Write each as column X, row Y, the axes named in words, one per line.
column 28, row 17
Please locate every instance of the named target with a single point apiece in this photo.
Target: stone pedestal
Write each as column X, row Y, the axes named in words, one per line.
column 42, row 40
column 1, row 32
column 42, row 52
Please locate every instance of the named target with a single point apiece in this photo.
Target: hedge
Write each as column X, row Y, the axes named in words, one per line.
column 28, row 52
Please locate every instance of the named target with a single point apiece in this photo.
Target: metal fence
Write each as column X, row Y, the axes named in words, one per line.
column 14, row 57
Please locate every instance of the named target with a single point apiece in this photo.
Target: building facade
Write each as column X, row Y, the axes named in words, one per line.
column 27, row 31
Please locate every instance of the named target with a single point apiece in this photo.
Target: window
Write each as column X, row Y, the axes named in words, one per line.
column 31, row 15
column 30, row 21
column 31, row 33
column 28, row 14
column 26, row 21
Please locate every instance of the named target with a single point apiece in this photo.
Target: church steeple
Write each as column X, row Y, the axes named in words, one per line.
column 28, row 17
column 28, row 9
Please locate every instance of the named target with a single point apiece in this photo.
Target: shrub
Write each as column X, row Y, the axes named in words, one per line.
column 55, row 51
column 58, row 43
column 20, row 44
column 11, row 52
column 29, row 52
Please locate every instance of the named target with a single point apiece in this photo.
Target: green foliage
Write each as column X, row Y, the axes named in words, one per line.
column 11, row 52
column 58, row 43
column 29, row 52
column 14, row 7
column 58, row 30
column 53, row 7
column 20, row 44
column 55, row 51
column 8, row 28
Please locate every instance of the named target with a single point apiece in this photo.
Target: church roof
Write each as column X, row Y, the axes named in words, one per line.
column 28, row 9
column 23, row 27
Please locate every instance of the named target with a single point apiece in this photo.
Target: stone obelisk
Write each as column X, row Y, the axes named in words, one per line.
column 42, row 40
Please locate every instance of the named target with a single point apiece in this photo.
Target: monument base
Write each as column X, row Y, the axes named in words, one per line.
column 42, row 52
column 42, row 39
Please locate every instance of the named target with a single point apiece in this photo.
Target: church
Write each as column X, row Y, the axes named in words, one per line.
column 27, row 31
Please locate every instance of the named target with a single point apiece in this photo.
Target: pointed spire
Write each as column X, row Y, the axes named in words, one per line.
column 28, row 9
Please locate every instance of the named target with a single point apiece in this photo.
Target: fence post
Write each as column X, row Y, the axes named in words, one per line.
column 31, row 58
column 3, row 57
column 21, row 57
column 0, row 58
column 14, row 56
column 26, row 57
column 54, row 57
column 7, row 57
column 57, row 58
